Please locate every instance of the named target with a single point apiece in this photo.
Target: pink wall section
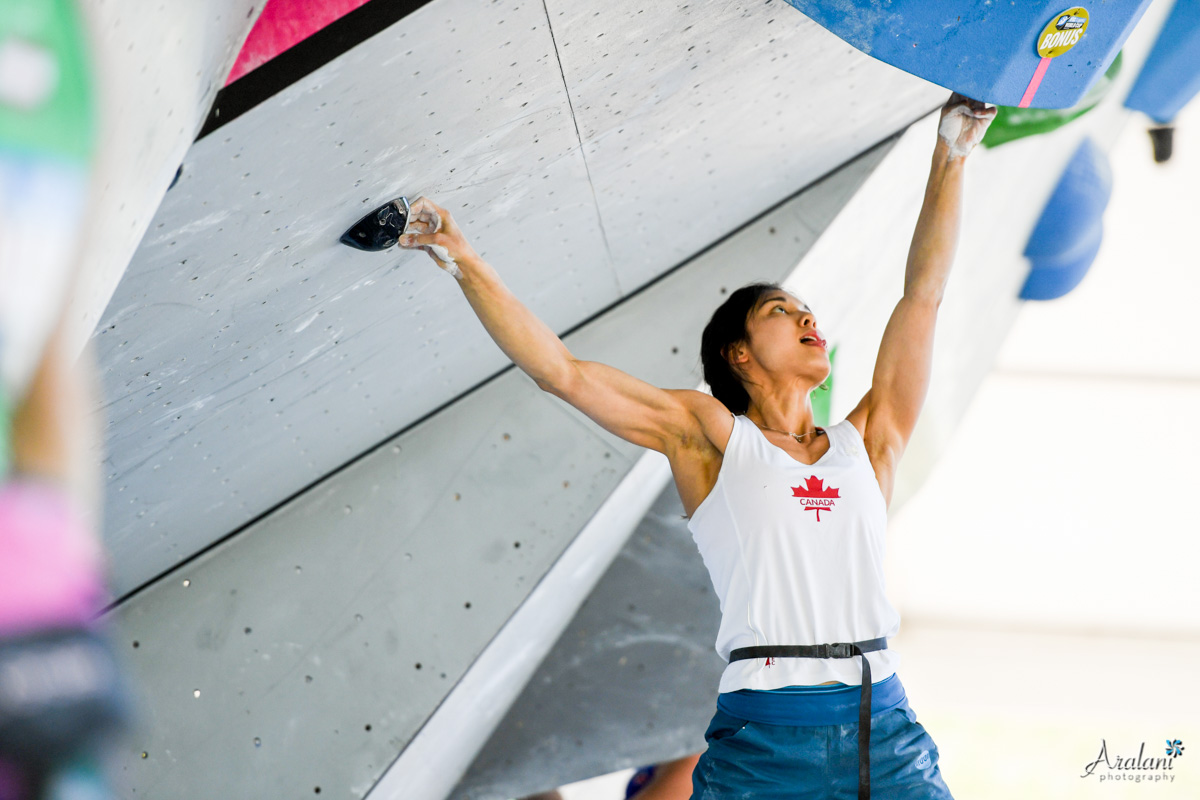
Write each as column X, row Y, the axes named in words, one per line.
column 282, row 24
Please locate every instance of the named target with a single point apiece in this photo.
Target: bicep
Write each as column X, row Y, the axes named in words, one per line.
column 901, row 378
column 625, row 406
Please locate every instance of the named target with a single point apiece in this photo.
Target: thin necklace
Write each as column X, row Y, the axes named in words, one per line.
column 795, row 436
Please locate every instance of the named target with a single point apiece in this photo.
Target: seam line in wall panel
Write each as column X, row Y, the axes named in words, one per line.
column 582, row 153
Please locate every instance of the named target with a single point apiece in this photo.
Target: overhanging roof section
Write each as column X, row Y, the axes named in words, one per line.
column 989, row 51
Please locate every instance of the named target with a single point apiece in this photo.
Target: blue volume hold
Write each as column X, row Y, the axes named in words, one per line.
column 1171, row 75
column 987, row 51
column 1067, row 236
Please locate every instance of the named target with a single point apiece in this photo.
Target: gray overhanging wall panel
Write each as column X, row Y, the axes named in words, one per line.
column 308, row 627
column 632, row 681
column 159, row 67
column 246, row 354
column 359, row 604
column 688, row 137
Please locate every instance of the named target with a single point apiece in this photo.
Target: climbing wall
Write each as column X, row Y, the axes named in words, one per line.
column 246, row 354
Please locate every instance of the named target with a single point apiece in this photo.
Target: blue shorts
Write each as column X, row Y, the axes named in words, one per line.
column 767, row 761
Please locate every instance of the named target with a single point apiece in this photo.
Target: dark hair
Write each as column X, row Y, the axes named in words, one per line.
column 726, row 328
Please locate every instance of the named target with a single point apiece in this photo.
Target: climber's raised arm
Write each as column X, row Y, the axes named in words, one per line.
column 902, row 367
column 627, row 407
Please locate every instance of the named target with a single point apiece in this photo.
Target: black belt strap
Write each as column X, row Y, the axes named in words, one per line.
column 837, row 650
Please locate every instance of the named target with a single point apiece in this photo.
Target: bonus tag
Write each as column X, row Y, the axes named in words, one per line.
column 1060, row 35
column 1063, row 32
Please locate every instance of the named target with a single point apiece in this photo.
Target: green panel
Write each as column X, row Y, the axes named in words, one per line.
column 1017, row 123
column 820, row 397
column 48, row 34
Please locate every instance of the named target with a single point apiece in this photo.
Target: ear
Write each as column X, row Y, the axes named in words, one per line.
column 735, row 353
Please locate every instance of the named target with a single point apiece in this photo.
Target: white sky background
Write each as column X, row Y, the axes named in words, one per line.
column 1046, row 573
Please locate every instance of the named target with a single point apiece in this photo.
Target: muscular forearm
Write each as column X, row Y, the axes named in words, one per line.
column 523, row 337
column 961, row 127
column 936, row 236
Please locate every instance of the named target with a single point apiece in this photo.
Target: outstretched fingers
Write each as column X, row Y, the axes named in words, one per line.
column 959, row 99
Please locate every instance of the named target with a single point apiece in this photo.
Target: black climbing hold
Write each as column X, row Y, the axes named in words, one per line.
column 1163, row 139
column 380, row 229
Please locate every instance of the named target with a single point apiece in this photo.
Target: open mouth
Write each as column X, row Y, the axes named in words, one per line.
column 815, row 341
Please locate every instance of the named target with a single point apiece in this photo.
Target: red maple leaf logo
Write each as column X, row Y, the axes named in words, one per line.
column 820, row 498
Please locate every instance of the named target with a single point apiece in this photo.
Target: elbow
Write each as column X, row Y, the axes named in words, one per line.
column 547, row 386
column 559, row 382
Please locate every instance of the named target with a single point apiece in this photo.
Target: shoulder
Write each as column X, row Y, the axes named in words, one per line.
column 712, row 419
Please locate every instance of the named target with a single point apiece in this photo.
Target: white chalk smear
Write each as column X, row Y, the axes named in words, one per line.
column 307, row 322
column 961, row 128
column 445, row 261
column 424, row 219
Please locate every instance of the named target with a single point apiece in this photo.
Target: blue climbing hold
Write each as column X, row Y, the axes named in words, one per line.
column 1067, row 236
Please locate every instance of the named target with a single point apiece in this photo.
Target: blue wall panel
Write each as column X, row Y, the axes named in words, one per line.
column 985, row 51
column 1171, row 74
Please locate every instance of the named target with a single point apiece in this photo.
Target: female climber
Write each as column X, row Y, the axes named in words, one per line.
column 789, row 517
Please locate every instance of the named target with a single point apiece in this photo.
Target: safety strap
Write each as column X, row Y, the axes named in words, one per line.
column 836, row 650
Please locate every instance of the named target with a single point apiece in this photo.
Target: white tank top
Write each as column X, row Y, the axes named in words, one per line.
column 795, row 553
